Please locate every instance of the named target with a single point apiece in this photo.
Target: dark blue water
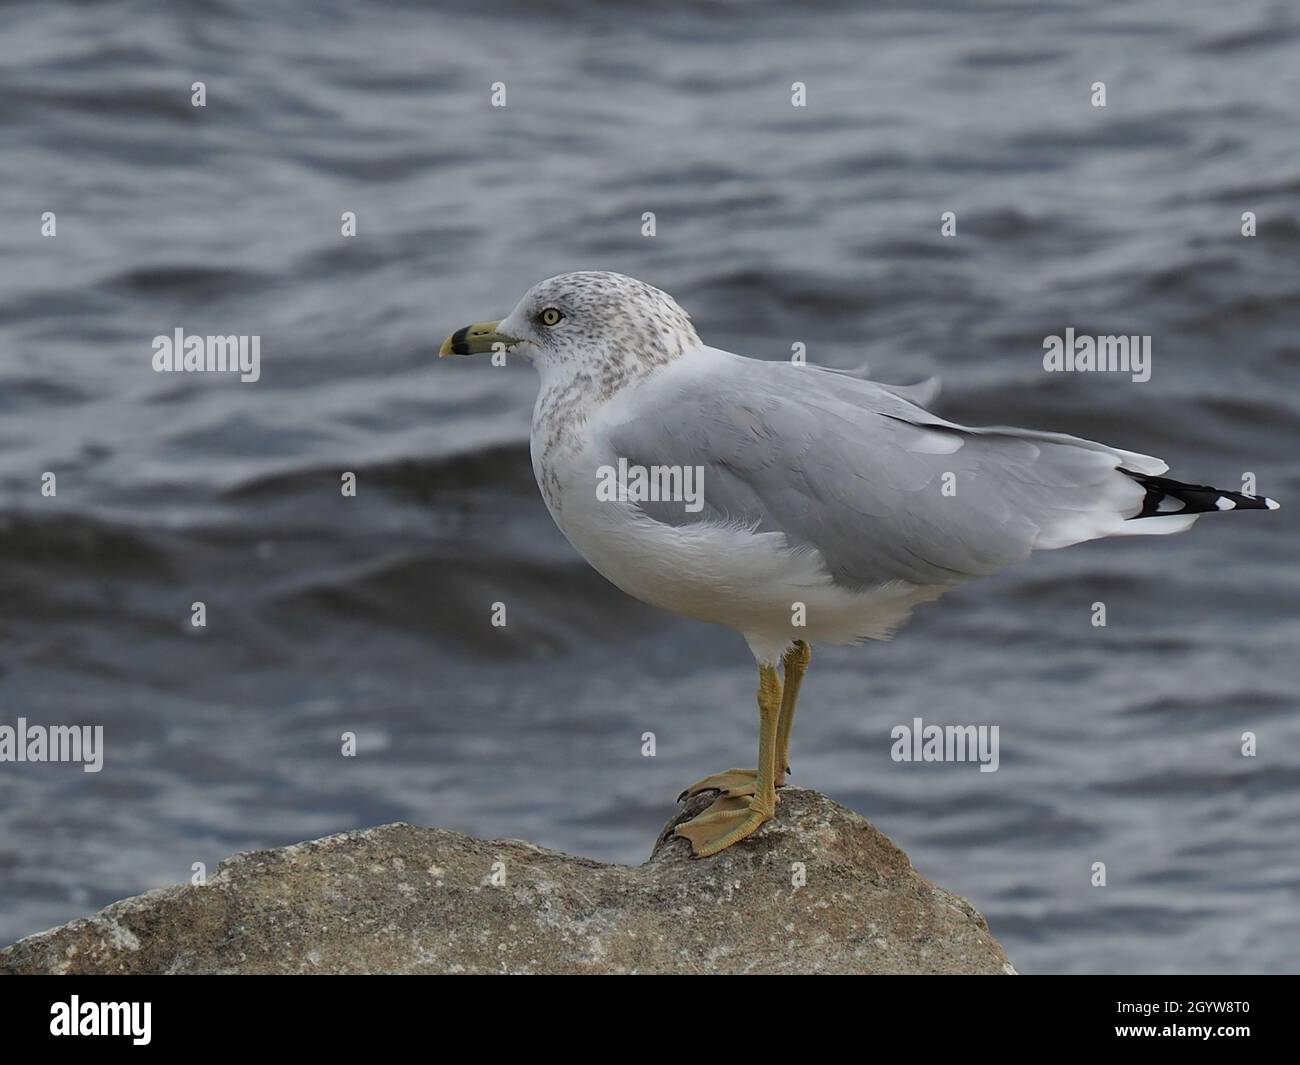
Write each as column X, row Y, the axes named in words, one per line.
column 775, row 225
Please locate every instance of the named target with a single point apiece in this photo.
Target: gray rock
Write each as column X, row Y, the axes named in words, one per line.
column 401, row 899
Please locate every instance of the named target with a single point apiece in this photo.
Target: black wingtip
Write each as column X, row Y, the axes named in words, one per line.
column 1166, row 496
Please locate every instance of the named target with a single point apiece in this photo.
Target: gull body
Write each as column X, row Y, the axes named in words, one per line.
column 722, row 571
column 830, row 505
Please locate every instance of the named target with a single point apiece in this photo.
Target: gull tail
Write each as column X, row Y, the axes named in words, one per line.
column 1167, row 496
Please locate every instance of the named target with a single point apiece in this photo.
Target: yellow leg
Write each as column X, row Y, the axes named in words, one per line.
column 736, row 782
column 796, row 665
column 731, row 818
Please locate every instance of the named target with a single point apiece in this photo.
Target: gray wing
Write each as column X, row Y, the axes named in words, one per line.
column 883, row 489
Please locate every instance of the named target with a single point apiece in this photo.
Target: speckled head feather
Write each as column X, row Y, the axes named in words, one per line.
column 612, row 330
column 609, row 324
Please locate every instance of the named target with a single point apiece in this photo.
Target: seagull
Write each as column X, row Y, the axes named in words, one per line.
column 793, row 503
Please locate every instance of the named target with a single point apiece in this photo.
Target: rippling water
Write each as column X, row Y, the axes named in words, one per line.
column 776, row 225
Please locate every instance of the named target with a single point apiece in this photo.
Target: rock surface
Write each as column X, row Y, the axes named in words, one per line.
column 401, row 899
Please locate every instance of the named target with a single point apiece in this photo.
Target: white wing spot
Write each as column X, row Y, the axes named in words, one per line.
column 933, row 442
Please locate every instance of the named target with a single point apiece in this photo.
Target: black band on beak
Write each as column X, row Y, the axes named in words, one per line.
column 475, row 339
column 458, row 343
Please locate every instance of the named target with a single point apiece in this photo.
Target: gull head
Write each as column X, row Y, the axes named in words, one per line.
column 592, row 320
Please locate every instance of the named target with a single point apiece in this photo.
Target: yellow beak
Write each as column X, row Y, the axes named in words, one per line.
column 476, row 339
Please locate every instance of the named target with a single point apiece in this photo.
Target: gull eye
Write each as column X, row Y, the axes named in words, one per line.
column 550, row 316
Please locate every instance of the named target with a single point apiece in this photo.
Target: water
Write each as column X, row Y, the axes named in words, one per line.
column 775, row 225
